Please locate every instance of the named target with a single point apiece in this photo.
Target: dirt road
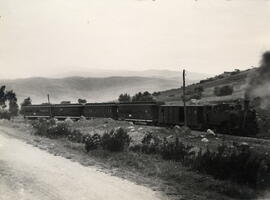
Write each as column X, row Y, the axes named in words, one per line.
column 28, row 173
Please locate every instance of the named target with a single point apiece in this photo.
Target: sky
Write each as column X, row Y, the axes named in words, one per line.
column 47, row 37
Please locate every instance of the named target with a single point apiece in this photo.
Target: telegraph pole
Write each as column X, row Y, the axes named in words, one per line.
column 48, row 96
column 184, row 97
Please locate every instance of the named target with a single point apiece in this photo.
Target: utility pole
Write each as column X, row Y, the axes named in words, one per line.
column 184, row 97
column 48, row 96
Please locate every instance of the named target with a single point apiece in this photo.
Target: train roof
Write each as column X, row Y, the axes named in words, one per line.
column 54, row 105
column 183, row 106
column 141, row 103
column 100, row 104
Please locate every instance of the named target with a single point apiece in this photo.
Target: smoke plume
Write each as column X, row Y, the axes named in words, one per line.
column 258, row 83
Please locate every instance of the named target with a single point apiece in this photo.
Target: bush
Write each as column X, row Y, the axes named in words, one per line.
column 51, row 128
column 41, row 126
column 5, row 115
column 224, row 90
column 58, row 130
column 175, row 150
column 116, row 140
column 76, row 136
column 151, row 144
column 92, row 142
column 235, row 163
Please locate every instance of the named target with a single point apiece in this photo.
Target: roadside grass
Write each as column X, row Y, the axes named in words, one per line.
column 174, row 174
column 171, row 177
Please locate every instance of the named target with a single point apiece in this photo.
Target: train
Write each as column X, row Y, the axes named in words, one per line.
column 223, row 118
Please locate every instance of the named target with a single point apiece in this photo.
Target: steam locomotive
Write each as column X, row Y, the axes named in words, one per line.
column 223, row 118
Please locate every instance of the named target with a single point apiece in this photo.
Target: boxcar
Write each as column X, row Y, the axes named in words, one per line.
column 100, row 110
column 62, row 111
column 174, row 115
column 37, row 111
column 139, row 112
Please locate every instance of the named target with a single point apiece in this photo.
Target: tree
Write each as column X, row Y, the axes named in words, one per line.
column 82, row 101
column 2, row 96
column 9, row 96
column 13, row 108
column 124, row 98
column 27, row 101
column 65, row 102
column 143, row 97
column 156, row 93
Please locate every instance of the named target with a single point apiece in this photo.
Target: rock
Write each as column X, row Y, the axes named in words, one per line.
column 131, row 123
column 244, row 144
column 195, row 150
column 170, row 138
column 139, row 129
column 205, row 140
column 210, row 132
column 177, row 127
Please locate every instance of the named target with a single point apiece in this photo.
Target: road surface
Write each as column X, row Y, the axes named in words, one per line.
column 28, row 173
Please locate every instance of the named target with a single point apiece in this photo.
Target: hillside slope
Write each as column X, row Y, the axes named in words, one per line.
column 92, row 89
column 236, row 80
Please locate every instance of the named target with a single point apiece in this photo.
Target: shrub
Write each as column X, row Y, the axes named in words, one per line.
column 4, row 114
column 224, row 90
column 76, row 136
column 58, row 130
column 41, row 126
column 51, row 128
column 92, row 142
column 116, row 140
column 236, row 163
column 175, row 150
column 151, row 144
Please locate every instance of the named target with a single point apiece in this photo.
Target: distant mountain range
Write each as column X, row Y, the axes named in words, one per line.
column 164, row 74
column 96, row 86
column 92, row 89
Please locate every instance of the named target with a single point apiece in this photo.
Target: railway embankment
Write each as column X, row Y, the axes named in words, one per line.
column 172, row 160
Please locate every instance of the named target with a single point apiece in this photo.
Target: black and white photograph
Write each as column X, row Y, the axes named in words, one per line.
column 134, row 99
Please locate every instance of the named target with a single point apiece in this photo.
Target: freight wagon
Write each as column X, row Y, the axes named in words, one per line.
column 139, row 112
column 62, row 111
column 174, row 115
column 100, row 110
column 37, row 111
column 59, row 111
